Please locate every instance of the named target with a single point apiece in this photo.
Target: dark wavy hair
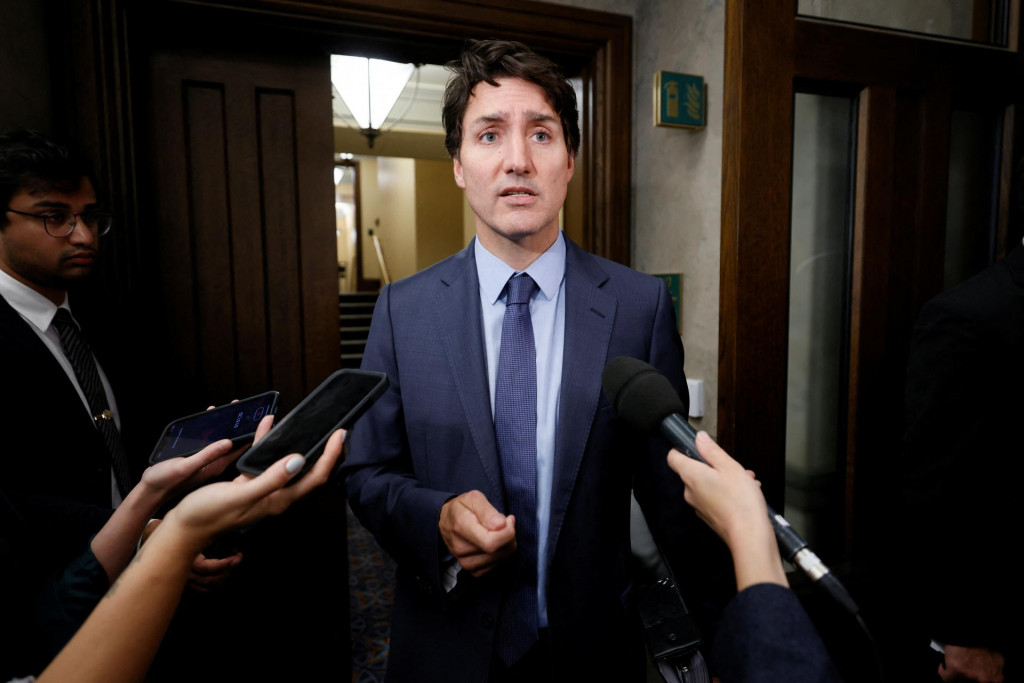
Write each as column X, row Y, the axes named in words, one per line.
column 32, row 161
column 488, row 60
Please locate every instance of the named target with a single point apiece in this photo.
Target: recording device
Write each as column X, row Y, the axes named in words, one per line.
column 645, row 398
column 336, row 404
column 236, row 421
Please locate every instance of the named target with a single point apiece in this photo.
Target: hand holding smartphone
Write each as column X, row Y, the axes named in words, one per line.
column 236, row 421
column 336, row 404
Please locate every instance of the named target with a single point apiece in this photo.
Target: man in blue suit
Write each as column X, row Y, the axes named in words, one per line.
column 494, row 470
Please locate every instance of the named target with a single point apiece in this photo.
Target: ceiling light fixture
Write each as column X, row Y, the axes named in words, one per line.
column 370, row 88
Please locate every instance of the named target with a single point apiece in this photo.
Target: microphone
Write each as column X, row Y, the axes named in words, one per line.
column 646, row 399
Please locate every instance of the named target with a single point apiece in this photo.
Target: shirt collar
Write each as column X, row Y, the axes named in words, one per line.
column 547, row 271
column 32, row 305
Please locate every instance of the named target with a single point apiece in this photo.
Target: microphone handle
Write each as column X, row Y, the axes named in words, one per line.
column 683, row 436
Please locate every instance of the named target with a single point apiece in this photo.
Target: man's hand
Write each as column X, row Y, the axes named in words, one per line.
column 972, row 664
column 477, row 534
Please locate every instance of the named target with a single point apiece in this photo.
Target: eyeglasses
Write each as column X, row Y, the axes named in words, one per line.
column 63, row 223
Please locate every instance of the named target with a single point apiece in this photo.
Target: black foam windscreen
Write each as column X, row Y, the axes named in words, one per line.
column 640, row 394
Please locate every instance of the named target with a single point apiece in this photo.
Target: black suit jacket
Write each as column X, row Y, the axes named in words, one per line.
column 962, row 464
column 48, row 444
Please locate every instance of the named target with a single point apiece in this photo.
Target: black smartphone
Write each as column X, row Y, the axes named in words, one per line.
column 236, row 421
column 336, row 404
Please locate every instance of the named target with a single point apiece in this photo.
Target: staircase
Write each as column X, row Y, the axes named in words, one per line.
column 355, row 310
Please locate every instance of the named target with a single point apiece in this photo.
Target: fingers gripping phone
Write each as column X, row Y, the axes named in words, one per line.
column 236, row 421
column 336, row 404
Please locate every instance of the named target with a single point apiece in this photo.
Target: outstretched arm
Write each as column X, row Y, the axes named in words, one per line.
column 121, row 636
column 729, row 499
column 115, row 543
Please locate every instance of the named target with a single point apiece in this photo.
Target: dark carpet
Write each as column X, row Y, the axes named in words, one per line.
column 371, row 581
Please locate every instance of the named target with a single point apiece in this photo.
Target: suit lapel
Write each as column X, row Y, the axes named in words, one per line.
column 457, row 305
column 23, row 343
column 589, row 317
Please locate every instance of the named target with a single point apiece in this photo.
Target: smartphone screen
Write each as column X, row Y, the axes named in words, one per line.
column 236, row 421
column 336, row 404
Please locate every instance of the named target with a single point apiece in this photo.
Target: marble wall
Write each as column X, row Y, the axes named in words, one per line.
column 677, row 174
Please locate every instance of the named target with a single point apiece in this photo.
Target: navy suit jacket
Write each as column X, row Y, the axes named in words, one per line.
column 766, row 637
column 431, row 437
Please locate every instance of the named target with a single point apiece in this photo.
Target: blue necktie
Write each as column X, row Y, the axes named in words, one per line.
column 515, row 424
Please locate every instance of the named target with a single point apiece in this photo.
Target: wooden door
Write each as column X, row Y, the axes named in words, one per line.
column 242, row 161
column 237, row 226
column 906, row 96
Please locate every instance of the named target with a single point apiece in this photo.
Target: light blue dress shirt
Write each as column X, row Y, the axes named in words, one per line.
column 547, row 312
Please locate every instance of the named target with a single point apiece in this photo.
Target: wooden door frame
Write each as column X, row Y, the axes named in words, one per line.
column 768, row 49
column 99, row 39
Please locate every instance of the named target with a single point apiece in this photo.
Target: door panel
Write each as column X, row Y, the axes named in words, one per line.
column 245, row 300
column 243, row 220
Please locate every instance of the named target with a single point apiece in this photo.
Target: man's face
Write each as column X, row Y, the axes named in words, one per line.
column 44, row 263
column 513, row 164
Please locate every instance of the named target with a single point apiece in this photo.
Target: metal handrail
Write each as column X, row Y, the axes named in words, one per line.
column 380, row 259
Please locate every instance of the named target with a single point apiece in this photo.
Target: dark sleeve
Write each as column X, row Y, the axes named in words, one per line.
column 65, row 602
column 766, row 637
column 960, row 468
column 49, row 579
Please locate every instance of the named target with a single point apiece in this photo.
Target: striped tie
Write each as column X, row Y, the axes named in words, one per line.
column 78, row 354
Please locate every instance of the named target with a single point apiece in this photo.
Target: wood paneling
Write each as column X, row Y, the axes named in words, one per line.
column 908, row 86
column 756, row 148
column 244, row 223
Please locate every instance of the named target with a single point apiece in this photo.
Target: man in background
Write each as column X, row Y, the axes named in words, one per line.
column 58, row 417
column 962, row 470
column 63, row 465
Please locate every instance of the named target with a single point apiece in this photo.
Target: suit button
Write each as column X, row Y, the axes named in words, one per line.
column 487, row 621
column 424, row 585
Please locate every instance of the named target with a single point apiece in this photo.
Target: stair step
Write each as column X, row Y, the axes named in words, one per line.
column 369, row 297
column 353, row 338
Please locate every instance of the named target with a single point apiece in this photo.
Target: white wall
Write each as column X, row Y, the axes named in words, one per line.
column 677, row 174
